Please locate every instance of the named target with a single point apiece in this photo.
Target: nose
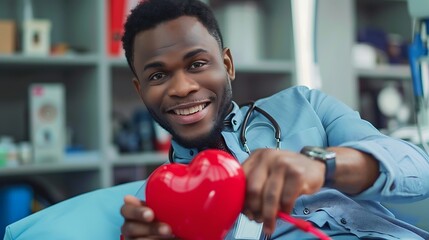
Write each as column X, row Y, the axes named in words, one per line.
column 181, row 85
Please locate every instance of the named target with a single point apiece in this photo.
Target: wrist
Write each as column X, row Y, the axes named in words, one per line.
column 325, row 156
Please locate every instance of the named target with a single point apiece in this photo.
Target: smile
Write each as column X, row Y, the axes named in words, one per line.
column 189, row 111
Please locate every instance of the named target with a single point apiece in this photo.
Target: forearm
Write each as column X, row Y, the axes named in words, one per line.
column 355, row 172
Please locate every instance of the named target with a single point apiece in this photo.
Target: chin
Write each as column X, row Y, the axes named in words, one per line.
column 193, row 142
column 198, row 139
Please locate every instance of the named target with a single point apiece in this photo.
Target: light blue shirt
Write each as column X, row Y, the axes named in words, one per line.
column 306, row 118
column 310, row 117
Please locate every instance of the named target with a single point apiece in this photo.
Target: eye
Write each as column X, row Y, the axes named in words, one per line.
column 197, row 64
column 157, row 76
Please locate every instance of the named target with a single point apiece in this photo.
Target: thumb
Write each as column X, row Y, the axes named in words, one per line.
column 132, row 200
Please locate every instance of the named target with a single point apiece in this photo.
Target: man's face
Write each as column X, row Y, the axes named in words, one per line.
column 184, row 79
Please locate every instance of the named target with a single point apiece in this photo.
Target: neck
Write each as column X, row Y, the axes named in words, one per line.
column 219, row 143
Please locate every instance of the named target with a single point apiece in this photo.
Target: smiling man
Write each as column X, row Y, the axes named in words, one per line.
column 181, row 77
column 332, row 169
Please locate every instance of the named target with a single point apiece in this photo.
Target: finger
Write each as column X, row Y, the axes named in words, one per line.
column 292, row 188
column 255, row 181
column 129, row 199
column 146, row 213
column 137, row 213
column 133, row 229
column 250, row 163
column 272, row 195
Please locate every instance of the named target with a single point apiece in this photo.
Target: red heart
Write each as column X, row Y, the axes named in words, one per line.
column 200, row 200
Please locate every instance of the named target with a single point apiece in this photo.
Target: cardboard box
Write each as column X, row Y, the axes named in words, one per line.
column 8, row 37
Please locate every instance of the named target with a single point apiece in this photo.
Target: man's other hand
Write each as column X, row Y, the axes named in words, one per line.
column 140, row 223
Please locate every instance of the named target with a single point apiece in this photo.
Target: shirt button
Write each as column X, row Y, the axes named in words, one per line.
column 306, row 211
column 343, row 221
column 191, row 152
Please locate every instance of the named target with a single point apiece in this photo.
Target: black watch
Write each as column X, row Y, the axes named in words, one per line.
column 326, row 156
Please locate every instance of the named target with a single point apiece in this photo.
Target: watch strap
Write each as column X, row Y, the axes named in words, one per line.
column 331, row 165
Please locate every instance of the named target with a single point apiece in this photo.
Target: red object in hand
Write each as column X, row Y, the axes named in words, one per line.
column 201, row 200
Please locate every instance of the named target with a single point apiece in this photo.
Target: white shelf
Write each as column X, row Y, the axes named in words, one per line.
column 118, row 62
column 141, row 159
column 385, row 71
column 59, row 167
column 267, row 66
column 63, row 60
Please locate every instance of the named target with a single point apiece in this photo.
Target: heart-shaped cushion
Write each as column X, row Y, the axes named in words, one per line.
column 200, row 200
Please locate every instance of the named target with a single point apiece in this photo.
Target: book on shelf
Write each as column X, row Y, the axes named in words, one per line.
column 117, row 14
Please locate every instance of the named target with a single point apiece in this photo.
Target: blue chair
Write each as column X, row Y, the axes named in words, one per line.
column 93, row 215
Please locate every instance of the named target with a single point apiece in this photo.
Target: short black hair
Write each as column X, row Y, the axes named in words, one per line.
column 149, row 13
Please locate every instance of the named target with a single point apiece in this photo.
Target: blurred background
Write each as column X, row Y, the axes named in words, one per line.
column 71, row 121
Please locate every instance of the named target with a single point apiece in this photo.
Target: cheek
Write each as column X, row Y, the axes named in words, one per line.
column 152, row 96
column 217, row 80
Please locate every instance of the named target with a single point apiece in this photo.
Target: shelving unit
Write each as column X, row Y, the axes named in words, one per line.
column 96, row 85
column 391, row 17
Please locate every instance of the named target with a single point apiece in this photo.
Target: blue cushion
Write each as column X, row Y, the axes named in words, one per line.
column 93, row 215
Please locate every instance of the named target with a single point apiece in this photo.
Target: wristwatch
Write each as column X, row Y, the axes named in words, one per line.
column 326, row 156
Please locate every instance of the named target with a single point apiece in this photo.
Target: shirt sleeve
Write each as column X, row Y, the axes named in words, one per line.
column 404, row 167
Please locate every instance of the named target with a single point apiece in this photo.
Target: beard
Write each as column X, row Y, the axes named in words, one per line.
column 214, row 135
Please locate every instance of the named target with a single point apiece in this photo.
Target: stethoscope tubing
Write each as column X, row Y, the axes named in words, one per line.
column 252, row 108
column 276, row 126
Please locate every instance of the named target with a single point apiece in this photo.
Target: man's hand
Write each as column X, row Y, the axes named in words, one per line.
column 275, row 179
column 140, row 221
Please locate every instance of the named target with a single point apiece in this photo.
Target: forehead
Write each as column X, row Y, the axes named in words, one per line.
column 180, row 33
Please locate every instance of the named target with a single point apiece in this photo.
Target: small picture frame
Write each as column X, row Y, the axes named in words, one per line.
column 37, row 34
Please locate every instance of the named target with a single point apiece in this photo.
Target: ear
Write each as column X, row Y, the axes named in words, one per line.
column 228, row 63
column 137, row 86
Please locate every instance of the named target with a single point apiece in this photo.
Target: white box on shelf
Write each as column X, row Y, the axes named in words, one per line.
column 241, row 28
column 47, row 122
column 37, row 37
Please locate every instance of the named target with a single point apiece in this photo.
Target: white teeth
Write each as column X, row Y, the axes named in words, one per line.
column 188, row 111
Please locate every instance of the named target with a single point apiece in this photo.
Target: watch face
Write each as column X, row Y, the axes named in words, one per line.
column 317, row 152
column 326, row 156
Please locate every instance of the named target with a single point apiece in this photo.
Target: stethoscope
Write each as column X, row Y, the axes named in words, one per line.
column 245, row 128
column 252, row 108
